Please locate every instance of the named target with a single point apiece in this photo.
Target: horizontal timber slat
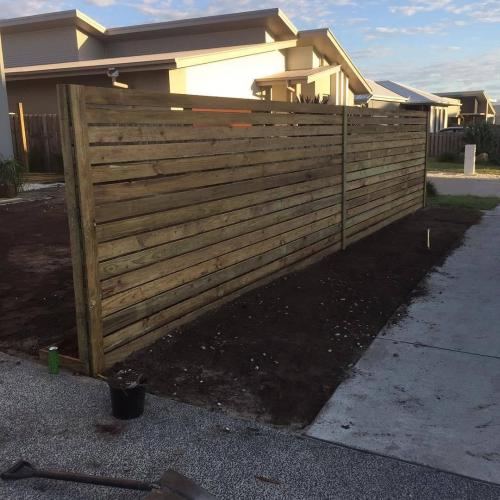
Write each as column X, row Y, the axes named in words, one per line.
column 130, row 171
column 131, row 208
column 157, row 133
column 149, row 265
column 129, row 244
column 197, row 199
column 159, row 302
column 108, row 193
column 135, row 152
column 206, row 301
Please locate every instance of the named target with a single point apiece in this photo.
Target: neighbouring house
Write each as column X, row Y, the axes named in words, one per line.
column 380, row 97
column 477, row 107
column 388, row 94
column 497, row 114
column 259, row 55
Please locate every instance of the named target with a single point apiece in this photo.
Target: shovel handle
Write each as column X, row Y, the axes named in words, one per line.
column 130, row 484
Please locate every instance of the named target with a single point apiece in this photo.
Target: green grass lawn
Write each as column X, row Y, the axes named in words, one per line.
column 437, row 166
column 466, row 201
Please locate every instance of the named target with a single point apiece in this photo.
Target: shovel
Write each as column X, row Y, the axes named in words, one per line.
column 172, row 486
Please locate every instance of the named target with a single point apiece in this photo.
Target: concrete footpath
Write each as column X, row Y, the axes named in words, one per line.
column 64, row 422
column 428, row 388
column 460, row 184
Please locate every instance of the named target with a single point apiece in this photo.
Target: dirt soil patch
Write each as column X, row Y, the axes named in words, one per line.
column 36, row 284
column 277, row 353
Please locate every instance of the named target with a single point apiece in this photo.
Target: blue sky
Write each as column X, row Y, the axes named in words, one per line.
column 437, row 45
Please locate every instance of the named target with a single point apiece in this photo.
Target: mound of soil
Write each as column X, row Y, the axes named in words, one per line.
column 278, row 352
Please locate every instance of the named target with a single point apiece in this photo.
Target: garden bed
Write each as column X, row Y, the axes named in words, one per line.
column 36, row 285
column 278, row 352
column 275, row 354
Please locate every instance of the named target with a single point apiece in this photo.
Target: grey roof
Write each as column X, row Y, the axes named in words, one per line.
column 417, row 96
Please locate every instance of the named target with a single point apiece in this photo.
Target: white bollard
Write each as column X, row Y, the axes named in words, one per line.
column 470, row 159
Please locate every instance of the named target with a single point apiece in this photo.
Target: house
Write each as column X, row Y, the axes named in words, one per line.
column 258, row 55
column 388, row 94
column 496, row 107
column 477, row 106
column 380, row 97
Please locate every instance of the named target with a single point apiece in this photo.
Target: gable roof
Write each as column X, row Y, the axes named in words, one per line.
column 51, row 20
column 417, row 96
column 324, row 40
column 379, row 93
column 299, row 75
column 167, row 60
column 273, row 20
column 481, row 95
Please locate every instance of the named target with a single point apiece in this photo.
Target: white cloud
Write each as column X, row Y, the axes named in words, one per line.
column 10, row 8
column 101, row 3
column 306, row 12
column 462, row 73
column 487, row 11
column 383, row 31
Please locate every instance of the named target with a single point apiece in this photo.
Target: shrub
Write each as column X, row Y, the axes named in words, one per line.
column 431, row 189
column 484, row 136
column 12, row 174
column 447, row 157
column 304, row 99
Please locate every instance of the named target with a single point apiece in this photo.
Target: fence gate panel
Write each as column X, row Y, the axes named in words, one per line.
column 183, row 202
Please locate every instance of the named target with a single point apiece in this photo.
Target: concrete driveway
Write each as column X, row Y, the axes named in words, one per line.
column 460, row 184
column 428, row 389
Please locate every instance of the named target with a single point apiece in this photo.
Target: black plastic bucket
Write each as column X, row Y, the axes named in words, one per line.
column 127, row 403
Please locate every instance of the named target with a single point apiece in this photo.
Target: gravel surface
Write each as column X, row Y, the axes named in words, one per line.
column 63, row 422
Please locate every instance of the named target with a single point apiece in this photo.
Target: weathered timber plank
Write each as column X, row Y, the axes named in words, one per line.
column 378, row 145
column 226, row 292
column 76, row 99
column 360, row 174
column 369, row 227
column 384, row 160
column 396, row 136
column 372, row 213
column 379, row 153
column 76, row 235
column 400, row 193
column 135, row 116
column 129, row 244
column 176, row 258
column 119, row 97
column 161, row 133
column 154, row 310
column 150, row 289
column 108, row 193
column 132, row 208
column 134, row 225
column 158, row 168
column 135, row 152
column 353, row 186
column 393, row 186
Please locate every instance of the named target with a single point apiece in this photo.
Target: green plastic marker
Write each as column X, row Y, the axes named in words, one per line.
column 53, row 359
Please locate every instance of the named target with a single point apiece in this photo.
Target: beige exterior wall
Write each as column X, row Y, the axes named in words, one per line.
column 384, row 105
column 40, row 47
column 186, row 42
column 302, row 58
column 231, row 78
column 39, row 96
column 89, row 47
column 438, row 118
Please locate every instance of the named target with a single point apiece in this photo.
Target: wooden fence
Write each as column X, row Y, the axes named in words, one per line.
column 176, row 206
column 445, row 142
column 42, row 142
